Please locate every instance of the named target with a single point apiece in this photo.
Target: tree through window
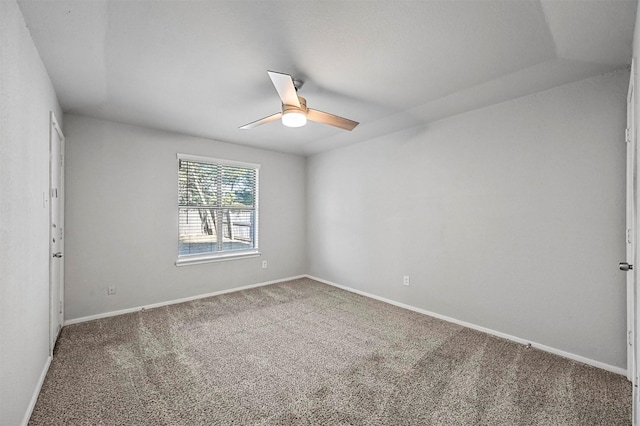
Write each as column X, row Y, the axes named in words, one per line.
column 217, row 207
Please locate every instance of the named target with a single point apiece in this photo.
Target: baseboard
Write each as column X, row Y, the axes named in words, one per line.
column 36, row 392
column 555, row 351
column 173, row 302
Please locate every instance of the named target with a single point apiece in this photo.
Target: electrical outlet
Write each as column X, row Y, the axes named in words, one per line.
column 405, row 280
column 264, row 264
column 111, row 290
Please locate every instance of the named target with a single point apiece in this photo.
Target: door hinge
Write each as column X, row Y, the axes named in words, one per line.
column 629, row 233
column 60, row 307
column 627, row 137
column 630, row 338
column 61, row 161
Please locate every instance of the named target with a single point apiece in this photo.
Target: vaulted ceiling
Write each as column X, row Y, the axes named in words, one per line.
column 200, row 67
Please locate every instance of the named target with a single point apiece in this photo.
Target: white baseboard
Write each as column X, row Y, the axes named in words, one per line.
column 564, row 354
column 173, row 302
column 36, row 392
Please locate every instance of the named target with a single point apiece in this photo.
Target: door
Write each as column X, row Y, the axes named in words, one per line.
column 633, row 304
column 56, row 230
column 632, row 209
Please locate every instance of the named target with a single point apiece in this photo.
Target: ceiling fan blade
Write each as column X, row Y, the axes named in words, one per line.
column 264, row 120
column 330, row 119
column 285, row 88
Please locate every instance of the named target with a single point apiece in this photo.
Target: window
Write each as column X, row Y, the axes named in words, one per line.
column 217, row 209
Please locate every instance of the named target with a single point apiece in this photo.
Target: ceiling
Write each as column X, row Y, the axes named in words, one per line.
column 200, row 67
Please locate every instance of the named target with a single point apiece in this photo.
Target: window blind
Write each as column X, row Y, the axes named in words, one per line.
column 217, row 207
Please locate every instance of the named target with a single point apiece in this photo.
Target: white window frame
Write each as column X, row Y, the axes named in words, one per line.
column 194, row 259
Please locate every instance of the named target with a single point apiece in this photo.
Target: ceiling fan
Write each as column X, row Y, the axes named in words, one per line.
column 294, row 108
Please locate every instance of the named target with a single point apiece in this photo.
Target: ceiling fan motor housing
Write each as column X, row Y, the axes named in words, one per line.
column 293, row 115
column 302, row 108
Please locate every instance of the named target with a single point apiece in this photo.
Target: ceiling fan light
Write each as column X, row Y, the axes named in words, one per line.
column 294, row 118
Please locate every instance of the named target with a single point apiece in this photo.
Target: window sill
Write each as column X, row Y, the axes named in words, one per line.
column 198, row 259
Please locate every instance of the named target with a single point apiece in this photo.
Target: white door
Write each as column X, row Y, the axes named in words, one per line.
column 56, row 230
column 632, row 209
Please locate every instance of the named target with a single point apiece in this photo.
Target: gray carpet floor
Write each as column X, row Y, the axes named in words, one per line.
column 304, row 353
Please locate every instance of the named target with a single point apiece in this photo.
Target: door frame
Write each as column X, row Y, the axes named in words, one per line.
column 56, row 298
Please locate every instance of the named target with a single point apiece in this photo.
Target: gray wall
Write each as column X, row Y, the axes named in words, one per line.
column 26, row 97
column 121, row 216
column 510, row 217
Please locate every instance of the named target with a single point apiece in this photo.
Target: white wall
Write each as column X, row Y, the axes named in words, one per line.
column 509, row 217
column 121, row 218
column 26, row 97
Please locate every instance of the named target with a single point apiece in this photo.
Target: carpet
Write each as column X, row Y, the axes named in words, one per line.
column 305, row 353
